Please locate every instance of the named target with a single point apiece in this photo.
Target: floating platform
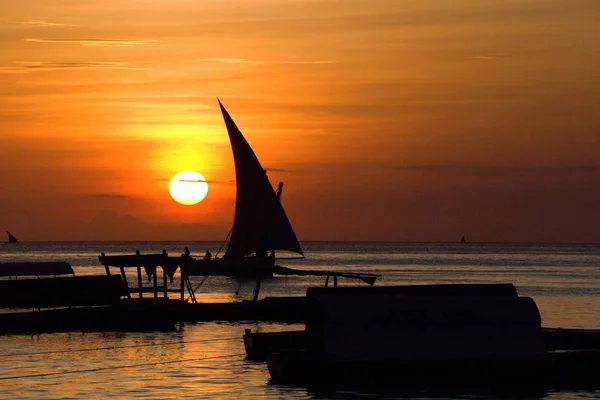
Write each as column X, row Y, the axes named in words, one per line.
column 428, row 337
column 259, row 345
column 273, row 309
column 122, row 318
column 570, row 370
column 61, row 291
column 149, row 314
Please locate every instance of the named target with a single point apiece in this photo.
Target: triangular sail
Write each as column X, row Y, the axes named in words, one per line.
column 11, row 238
column 260, row 223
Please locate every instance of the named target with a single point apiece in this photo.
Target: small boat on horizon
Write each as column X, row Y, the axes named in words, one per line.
column 11, row 238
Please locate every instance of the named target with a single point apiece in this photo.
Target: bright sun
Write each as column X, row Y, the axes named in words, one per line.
column 188, row 188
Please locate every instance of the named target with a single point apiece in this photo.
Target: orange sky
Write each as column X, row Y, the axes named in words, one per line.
column 387, row 119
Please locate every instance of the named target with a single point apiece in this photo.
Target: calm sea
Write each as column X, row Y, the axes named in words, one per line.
column 206, row 360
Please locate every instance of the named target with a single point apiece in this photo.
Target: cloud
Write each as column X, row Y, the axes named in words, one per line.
column 493, row 56
column 96, row 42
column 110, row 196
column 43, row 23
column 24, row 67
column 109, row 225
column 246, row 61
column 277, row 170
column 501, row 170
column 207, row 181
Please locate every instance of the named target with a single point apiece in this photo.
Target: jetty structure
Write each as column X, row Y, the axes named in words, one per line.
column 41, row 297
column 261, row 228
column 473, row 337
column 164, row 294
column 261, row 231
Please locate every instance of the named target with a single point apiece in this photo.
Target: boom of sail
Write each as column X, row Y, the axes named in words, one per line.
column 260, row 225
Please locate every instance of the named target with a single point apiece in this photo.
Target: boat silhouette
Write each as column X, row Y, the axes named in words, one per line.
column 260, row 229
column 11, row 238
column 260, row 226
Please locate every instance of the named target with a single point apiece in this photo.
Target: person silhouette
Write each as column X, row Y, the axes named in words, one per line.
column 208, row 255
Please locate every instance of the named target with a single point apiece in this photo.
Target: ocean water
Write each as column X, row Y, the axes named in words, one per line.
column 206, row 360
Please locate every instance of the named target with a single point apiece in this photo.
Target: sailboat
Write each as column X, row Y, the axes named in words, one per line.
column 260, row 227
column 261, row 231
column 11, row 238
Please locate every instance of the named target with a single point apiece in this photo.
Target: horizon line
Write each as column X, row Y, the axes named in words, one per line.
column 318, row 241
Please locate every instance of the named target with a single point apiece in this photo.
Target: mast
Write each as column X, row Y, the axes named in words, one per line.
column 258, row 281
column 278, row 194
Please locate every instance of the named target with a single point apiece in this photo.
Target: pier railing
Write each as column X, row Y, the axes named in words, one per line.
column 150, row 263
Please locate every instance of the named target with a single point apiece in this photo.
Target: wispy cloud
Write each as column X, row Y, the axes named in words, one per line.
column 44, row 23
column 277, row 170
column 24, row 67
column 109, row 196
column 96, row 42
column 490, row 170
column 207, row 181
column 493, row 56
column 246, row 61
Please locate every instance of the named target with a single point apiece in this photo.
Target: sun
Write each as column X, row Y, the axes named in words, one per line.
column 188, row 188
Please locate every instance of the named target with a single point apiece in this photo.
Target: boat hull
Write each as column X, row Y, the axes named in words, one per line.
column 259, row 345
column 244, row 268
column 275, row 309
column 115, row 318
column 578, row 370
column 61, row 291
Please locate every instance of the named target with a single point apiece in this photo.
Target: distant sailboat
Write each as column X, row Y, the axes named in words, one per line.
column 463, row 240
column 11, row 238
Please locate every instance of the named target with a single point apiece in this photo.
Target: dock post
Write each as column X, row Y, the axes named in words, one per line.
column 139, row 274
column 256, row 290
column 165, row 290
column 124, row 276
column 105, row 265
column 181, row 278
column 155, row 282
column 335, row 281
column 165, row 284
